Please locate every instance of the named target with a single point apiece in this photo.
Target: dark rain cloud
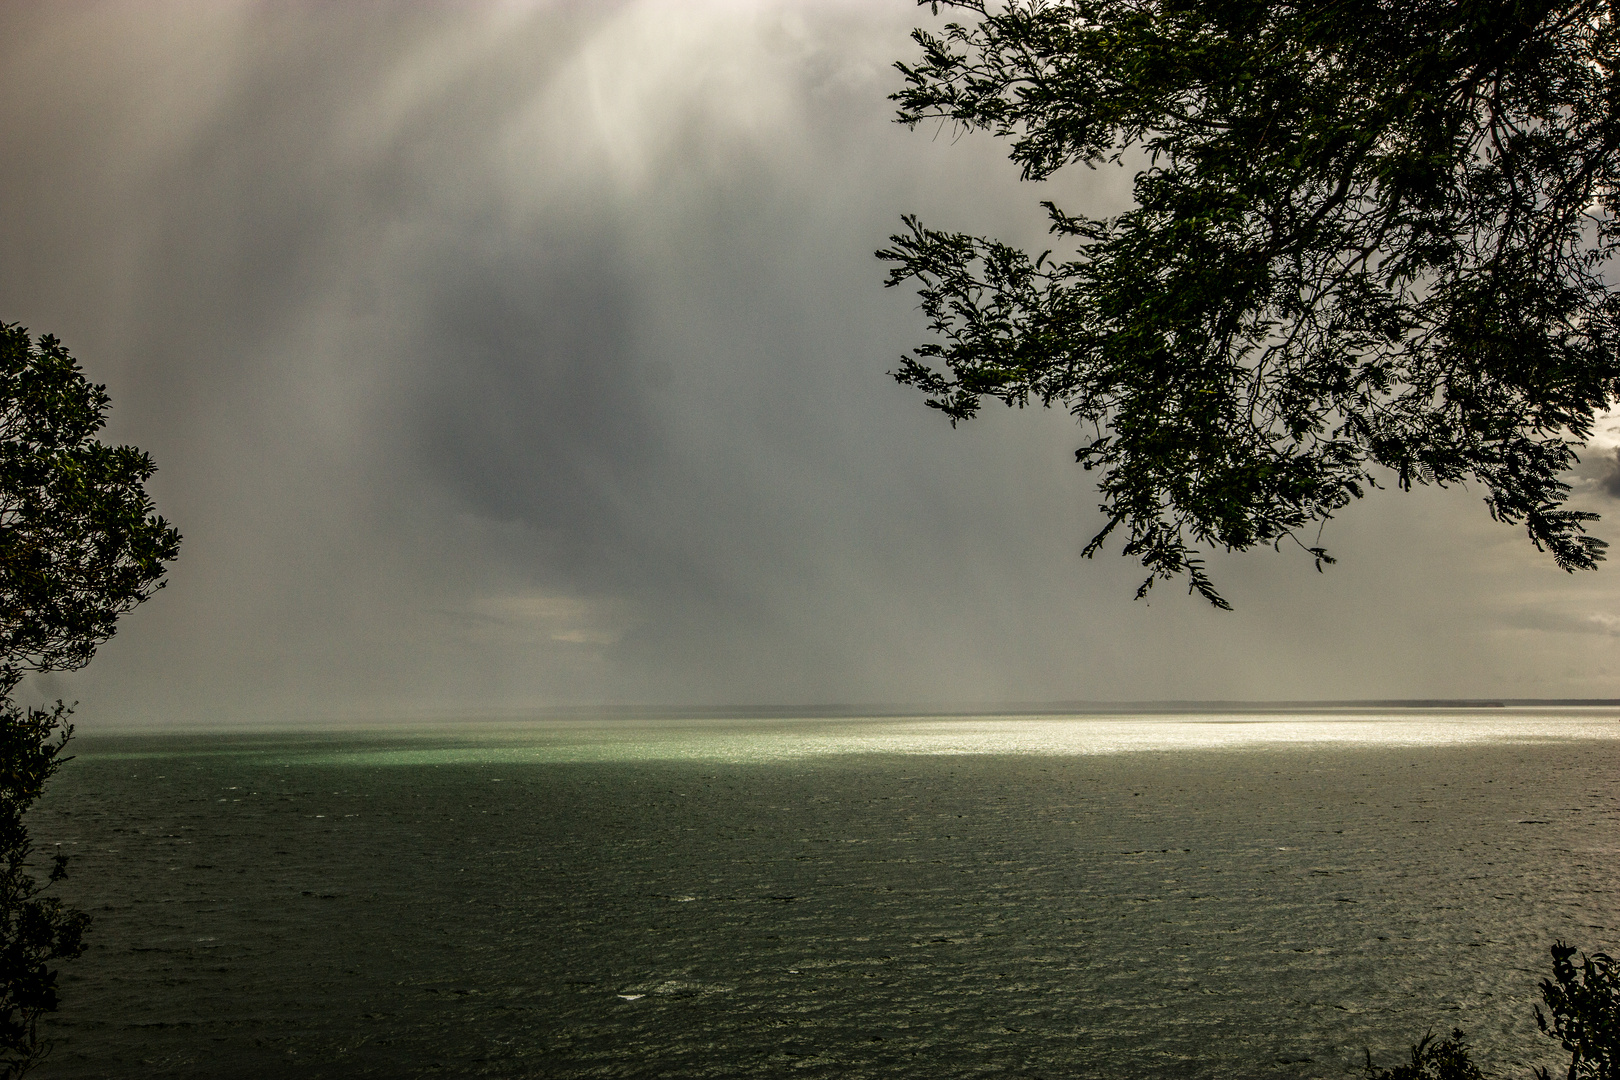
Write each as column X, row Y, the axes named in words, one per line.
column 1609, row 483
column 522, row 354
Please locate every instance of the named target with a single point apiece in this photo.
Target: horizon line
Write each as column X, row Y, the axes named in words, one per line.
column 414, row 717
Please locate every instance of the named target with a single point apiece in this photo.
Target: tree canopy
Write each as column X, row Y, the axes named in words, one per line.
column 1368, row 246
column 80, row 544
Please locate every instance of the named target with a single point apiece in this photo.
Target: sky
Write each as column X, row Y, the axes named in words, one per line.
column 506, row 356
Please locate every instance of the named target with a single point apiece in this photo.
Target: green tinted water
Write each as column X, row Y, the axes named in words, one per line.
column 1100, row 897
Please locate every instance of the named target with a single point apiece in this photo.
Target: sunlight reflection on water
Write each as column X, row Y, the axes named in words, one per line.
column 1167, row 897
column 783, row 740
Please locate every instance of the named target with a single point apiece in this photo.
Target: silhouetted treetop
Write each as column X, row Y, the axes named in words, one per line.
column 1368, row 243
column 80, row 544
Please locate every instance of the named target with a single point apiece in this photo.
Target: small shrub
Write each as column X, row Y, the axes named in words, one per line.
column 1444, row 1060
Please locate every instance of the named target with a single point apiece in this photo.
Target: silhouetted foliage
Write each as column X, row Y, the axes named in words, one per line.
column 1444, row 1060
column 1584, row 1004
column 1584, row 1007
column 1368, row 243
column 35, row 930
column 80, row 546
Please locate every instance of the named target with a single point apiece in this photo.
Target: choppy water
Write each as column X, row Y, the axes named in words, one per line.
column 1095, row 897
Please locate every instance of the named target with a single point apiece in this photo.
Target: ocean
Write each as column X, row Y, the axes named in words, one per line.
column 1224, row 895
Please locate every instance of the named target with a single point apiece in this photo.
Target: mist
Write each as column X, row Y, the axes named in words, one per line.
column 508, row 356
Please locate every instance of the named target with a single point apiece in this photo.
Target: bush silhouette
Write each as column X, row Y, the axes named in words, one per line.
column 1444, row 1060
column 1583, row 1014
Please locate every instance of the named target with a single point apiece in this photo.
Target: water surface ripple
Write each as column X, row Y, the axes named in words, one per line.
column 1033, row 897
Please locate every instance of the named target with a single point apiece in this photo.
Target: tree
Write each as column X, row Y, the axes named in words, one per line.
column 1368, row 245
column 80, row 545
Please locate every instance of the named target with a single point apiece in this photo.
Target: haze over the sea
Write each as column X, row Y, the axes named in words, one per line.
column 518, row 355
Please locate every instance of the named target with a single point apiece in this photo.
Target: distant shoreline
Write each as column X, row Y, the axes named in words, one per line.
column 417, row 718
column 1054, row 708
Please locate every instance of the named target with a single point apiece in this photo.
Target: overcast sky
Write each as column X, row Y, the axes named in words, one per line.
column 525, row 354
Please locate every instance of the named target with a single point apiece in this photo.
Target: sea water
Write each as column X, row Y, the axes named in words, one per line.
column 1190, row 896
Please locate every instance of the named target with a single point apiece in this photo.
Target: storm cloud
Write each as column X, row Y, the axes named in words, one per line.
column 506, row 356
